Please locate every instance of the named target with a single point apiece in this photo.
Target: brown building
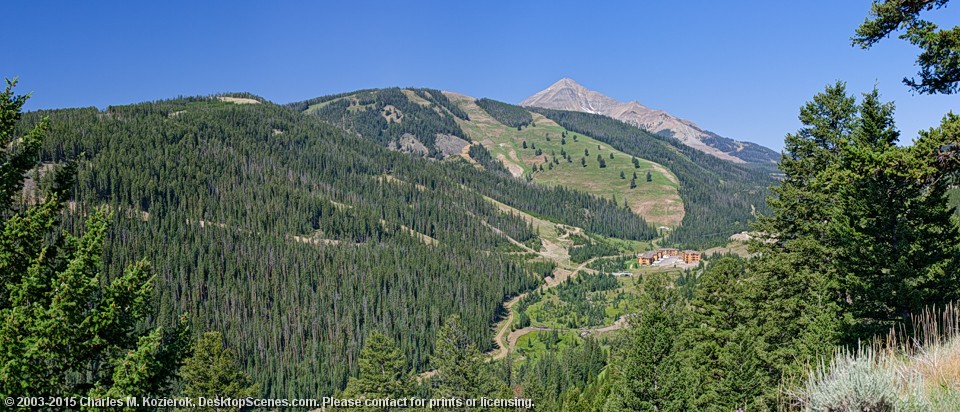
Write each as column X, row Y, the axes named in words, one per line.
column 647, row 258
column 669, row 252
column 690, row 256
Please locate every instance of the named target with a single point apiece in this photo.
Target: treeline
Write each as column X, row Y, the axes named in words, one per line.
column 719, row 196
column 559, row 204
column 747, row 151
column 292, row 239
column 507, row 114
column 482, row 156
column 437, row 97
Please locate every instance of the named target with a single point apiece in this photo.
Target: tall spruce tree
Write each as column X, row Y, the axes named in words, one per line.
column 647, row 371
column 723, row 340
column 382, row 371
column 212, row 370
column 68, row 330
column 457, row 361
column 892, row 225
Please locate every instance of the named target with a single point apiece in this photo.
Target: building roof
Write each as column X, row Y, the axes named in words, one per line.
column 648, row 255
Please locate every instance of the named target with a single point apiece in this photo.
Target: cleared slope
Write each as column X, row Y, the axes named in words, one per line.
column 720, row 197
column 658, row 201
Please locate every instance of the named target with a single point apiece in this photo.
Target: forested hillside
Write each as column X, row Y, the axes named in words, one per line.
column 292, row 239
column 409, row 120
column 508, row 114
column 720, row 197
column 561, row 204
column 296, row 240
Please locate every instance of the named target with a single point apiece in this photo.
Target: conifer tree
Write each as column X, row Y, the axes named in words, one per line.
column 861, row 235
column 724, row 342
column 382, row 370
column 212, row 370
column 647, row 373
column 457, row 361
column 939, row 60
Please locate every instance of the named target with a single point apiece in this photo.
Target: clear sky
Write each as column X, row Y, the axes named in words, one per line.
column 739, row 68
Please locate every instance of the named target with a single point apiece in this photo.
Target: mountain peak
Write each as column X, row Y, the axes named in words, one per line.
column 566, row 82
column 567, row 94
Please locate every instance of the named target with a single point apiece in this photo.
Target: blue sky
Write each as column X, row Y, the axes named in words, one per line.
column 740, row 68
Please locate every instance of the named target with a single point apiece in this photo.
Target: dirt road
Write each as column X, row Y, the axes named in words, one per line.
column 515, row 335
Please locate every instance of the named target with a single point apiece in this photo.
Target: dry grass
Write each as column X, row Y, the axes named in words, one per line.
column 912, row 368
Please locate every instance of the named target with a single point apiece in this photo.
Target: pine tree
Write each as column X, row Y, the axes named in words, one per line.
column 212, row 370
column 647, row 370
column 724, row 340
column 457, row 361
column 649, row 176
column 382, row 371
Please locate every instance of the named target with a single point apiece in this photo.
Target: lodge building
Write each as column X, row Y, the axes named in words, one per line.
column 687, row 256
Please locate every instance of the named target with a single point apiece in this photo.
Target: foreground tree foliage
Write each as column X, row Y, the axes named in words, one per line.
column 67, row 328
column 646, row 364
column 457, row 361
column 939, row 59
column 860, row 237
column 874, row 215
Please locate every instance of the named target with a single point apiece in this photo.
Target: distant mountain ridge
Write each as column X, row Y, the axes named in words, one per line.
column 567, row 94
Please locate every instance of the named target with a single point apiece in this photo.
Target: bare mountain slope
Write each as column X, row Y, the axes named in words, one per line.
column 567, row 94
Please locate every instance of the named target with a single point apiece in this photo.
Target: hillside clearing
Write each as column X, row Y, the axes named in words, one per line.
column 238, row 100
column 658, row 200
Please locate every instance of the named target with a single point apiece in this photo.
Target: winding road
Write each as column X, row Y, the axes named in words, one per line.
column 505, row 347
